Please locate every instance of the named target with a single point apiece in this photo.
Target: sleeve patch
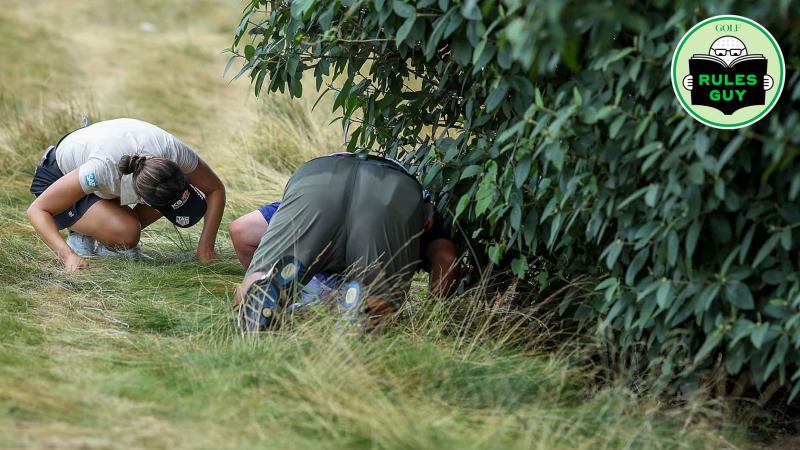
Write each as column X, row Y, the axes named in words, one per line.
column 90, row 180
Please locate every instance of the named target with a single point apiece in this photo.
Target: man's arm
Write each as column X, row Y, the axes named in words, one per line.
column 443, row 255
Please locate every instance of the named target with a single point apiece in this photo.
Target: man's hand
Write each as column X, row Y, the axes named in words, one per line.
column 768, row 82
column 74, row 263
column 688, row 82
column 242, row 289
column 207, row 255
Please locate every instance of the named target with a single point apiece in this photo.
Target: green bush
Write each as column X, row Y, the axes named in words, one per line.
column 551, row 131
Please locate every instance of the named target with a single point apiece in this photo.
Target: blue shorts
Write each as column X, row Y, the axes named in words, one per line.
column 269, row 210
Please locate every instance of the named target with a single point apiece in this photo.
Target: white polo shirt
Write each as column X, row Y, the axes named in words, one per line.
column 97, row 149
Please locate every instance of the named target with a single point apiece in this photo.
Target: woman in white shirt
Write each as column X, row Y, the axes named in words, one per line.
column 108, row 181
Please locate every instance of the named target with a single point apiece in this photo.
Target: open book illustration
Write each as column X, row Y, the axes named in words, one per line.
column 728, row 88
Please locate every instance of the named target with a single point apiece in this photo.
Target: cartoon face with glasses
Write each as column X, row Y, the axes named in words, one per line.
column 728, row 49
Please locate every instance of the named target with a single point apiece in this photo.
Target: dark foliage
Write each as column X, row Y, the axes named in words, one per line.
column 553, row 135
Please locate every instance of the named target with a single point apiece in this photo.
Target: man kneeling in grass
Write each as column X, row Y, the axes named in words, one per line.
column 359, row 214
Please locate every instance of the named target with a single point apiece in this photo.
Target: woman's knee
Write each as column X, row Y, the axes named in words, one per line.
column 111, row 224
column 121, row 230
column 123, row 234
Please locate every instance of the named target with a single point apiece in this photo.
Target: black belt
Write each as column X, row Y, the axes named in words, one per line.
column 427, row 197
column 379, row 159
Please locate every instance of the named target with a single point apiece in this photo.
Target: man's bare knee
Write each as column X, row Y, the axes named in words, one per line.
column 246, row 232
column 238, row 232
column 235, row 229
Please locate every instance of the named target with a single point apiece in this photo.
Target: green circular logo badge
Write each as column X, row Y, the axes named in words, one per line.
column 728, row 72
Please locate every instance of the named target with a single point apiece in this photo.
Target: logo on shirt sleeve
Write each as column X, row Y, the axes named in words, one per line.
column 90, row 179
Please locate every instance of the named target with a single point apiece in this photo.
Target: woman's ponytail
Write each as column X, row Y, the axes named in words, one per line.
column 131, row 164
column 158, row 181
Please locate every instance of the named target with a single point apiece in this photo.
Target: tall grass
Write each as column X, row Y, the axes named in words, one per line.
column 288, row 133
column 145, row 355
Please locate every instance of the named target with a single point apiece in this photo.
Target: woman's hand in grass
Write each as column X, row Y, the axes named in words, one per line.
column 74, row 263
column 58, row 197
column 207, row 255
column 208, row 182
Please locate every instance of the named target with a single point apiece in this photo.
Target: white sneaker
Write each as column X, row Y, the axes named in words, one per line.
column 81, row 244
column 134, row 253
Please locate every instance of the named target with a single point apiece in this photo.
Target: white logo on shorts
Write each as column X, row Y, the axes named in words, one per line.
column 182, row 220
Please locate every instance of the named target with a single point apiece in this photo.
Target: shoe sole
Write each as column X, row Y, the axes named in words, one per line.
column 267, row 297
column 350, row 303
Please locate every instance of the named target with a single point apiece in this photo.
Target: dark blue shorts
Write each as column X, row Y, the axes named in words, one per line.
column 269, row 210
column 47, row 173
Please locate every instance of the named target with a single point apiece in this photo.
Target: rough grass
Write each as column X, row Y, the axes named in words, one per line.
column 132, row 355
